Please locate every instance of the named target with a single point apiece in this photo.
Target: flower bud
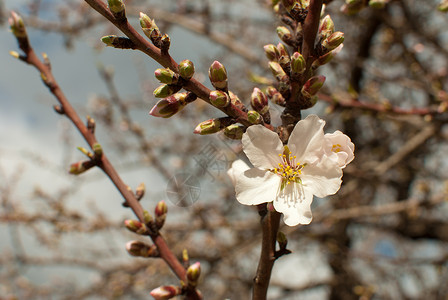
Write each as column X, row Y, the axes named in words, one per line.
column 78, row 168
column 147, row 217
column 186, row 69
column 378, row 4
column 236, row 101
column 352, row 7
column 97, row 149
column 85, row 152
column 166, row 292
column 165, row 90
column 17, row 25
column 234, row 132
column 147, row 24
column 326, row 27
column 208, row 127
column 218, row 75
column 185, row 257
column 278, row 72
column 259, row 101
column 136, row 226
column 140, row 191
column 333, row 41
column 284, row 34
column 166, row 76
column 165, row 43
column 275, row 96
column 140, row 249
column 254, row 117
column 193, row 273
column 219, row 99
column 91, row 124
column 282, row 50
column 272, row 52
column 298, row 64
column 169, row 106
column 312, row 86
column 160, row 211
column 443, row 6
column 282, row 240
column 118, row 42
column 116, row 6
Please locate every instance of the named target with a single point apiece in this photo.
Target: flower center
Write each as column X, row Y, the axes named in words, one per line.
column 289, row 170
column 336, row 148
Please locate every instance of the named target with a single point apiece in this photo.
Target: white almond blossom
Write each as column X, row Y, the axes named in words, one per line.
column 310, row 164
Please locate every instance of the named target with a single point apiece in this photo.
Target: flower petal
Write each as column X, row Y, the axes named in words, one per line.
column 256, row 186
column 262, row 147
column 238, row 167
column 322, row 179
column 343, row 145
column 295, row 204
column 307, row 137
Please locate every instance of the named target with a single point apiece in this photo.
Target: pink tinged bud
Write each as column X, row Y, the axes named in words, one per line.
column 284, row 34
column 322, row 60
column 17, row 26
column 186, row 69
column 298, row 64
column 166, row 76
column 282, row 50
column 208, row 127
column 116, row 6
column 259, row 101
column 272, row 52
column 326, row 27
column 160, row 211
column 278, row 72
column 166, row 292
column 312, row 86
column 254, row 117
column 136, row 226
column 236, row 101
column 234, row 132
column 193, row 273
column 78, row 168
column 218, row 75
column 140, row 191
column 333, row 41
column 165, row 90
column 169, row 106
column 140, row 249
column 219, row 99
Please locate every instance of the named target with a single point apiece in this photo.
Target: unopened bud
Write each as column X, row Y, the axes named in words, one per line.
column 116, row 6
column 140, row 249
column 443, row 6
column 186, row 69
column 234, row 132
column 91, row 124
column 236, row 101
column 352, row 7
column 165, row 43
column 218, row 75
column 219, row 99
column 185, row 257
column 14, row 54
column 278, row 72
column 333, row 41
column 136, row 226
column 140, row 191
column 166, row 292
column 160, row 211
column 312, row 86
column 166, row 76
column 165, row 90
column 149, row 28
column 254, row 117
column 58, row 109
column 118, row 42
column 208, row 127
column 259, row 101
column 16, row 25
column 147, row 217
column 85, row 152
column 193, row 273
column 378, row 4
column 326, row 27
column 282, row 50
column 272, row 52
column 79, row 167
column 169, row 106
column 282, row 240
column 298, row 64
column 97, row 149
column 284, row 34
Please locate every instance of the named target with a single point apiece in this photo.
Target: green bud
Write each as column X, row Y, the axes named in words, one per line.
column 97, row 149
column 254, row 117
column 378, row 4
column 275, row 96
column 164, row 90
column 193, row 273
column 77, row 168
column 234, row 132
column 169, row 106
column 443, row 6
column 118, row 42
column 219, row 99
column 298, row 64
column 17, row 25
column 208, row 127
column 326, row 27
column 186, row 69
column 282, row 50
column 166, row 76
column 272, row 52
column 312, row 86
column 352, row 7
column 218, row 75
column 160, row 211
column 278, row 72
column 149, row 27
column 116, row 6
column 282, row 240
column 333, row 41
column 140, row 249
column 136, row 226
column 259, row 101
column 236, row 101
column 284, row 34
column 147, row 217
